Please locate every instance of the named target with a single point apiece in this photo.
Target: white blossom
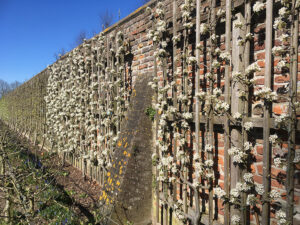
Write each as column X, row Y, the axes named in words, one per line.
column 274, row 194
column 273, row 138
column 258, row 7
column 235, row 220
column 277, row 162
column 281, row 118
column 252, row 68
column 297, row 157
column 208, row 148
column 251, row 200
column 281, row 64
column 266, row 94
column 219, row 192
column 283, row 12
column 278, row 50
column 201, row 95
column 203, row 28
column 209, row 163
column 259, row 188
column 248, row 126
column 238, row 24
column 221, row 12
column 248, row 177
column 281, row 217
column 225, row 56
column 237, row 116
column 279, row 24
column 187, row 115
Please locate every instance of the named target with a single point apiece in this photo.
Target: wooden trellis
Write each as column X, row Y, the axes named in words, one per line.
column 204, row 102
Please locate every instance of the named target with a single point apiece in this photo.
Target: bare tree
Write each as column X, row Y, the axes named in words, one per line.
column 106, row 19
column 4, row 88
column 14, row 85
column 60, row 53
column 80, row 38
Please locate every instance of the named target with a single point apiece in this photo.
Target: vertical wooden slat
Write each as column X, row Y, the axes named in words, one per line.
column 212, row 22
column 227, row 100
column 245, row 110
column 165, row 184
column 267, row 111
column 156, row 134
column 236, row 103
column 175, row 87
column 184, row 109
column 197, row 107
column 292, row 114
column 197, row 82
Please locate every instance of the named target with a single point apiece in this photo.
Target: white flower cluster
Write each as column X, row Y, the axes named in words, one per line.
column 252, row 68
column 266, row 94
column 235, row 220
column 281, row 217
column 238, row 155
column 297, row 157
column 244, row 78
column 278, row 162
column 237, row 116
column 251, row 200
column 281, row 119
column 259, row 188
column 248, row 126
column 80, row 107
column 225, row 56
column 274, row 195
column 258, row 7
column 284, row 12
column 219, row 192
column 273, row 139
column 278, row 50
column 186, row 10
column 248, row 177
column 204, row 29
column 238, row 24
column 281, row 64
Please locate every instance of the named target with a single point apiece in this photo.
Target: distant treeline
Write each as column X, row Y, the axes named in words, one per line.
column 6, row 87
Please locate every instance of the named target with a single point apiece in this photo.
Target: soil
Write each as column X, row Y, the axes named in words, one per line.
column 84, row 192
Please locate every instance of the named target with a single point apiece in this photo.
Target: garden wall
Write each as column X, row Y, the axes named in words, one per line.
column 224, row 106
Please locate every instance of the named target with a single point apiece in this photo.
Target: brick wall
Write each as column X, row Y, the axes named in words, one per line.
column 140, row 63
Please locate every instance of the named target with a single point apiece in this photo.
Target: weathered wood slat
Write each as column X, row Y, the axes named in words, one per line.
column 236, row 104
column 210, row 155
column 227, row 100
column 290, row 181
column 174, row 60
column 267, row 112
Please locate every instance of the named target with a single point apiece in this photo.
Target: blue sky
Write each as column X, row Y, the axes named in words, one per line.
column 32, row 31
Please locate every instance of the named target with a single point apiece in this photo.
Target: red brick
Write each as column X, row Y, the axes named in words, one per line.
column 259, row 169
column 261, row 55
column 260, row 81
column 260, row 149
column 258, row 179
column 277, row 109
column 261, row 63
column 282, row 79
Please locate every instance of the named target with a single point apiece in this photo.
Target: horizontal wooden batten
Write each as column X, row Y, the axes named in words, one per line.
column 257, row 122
